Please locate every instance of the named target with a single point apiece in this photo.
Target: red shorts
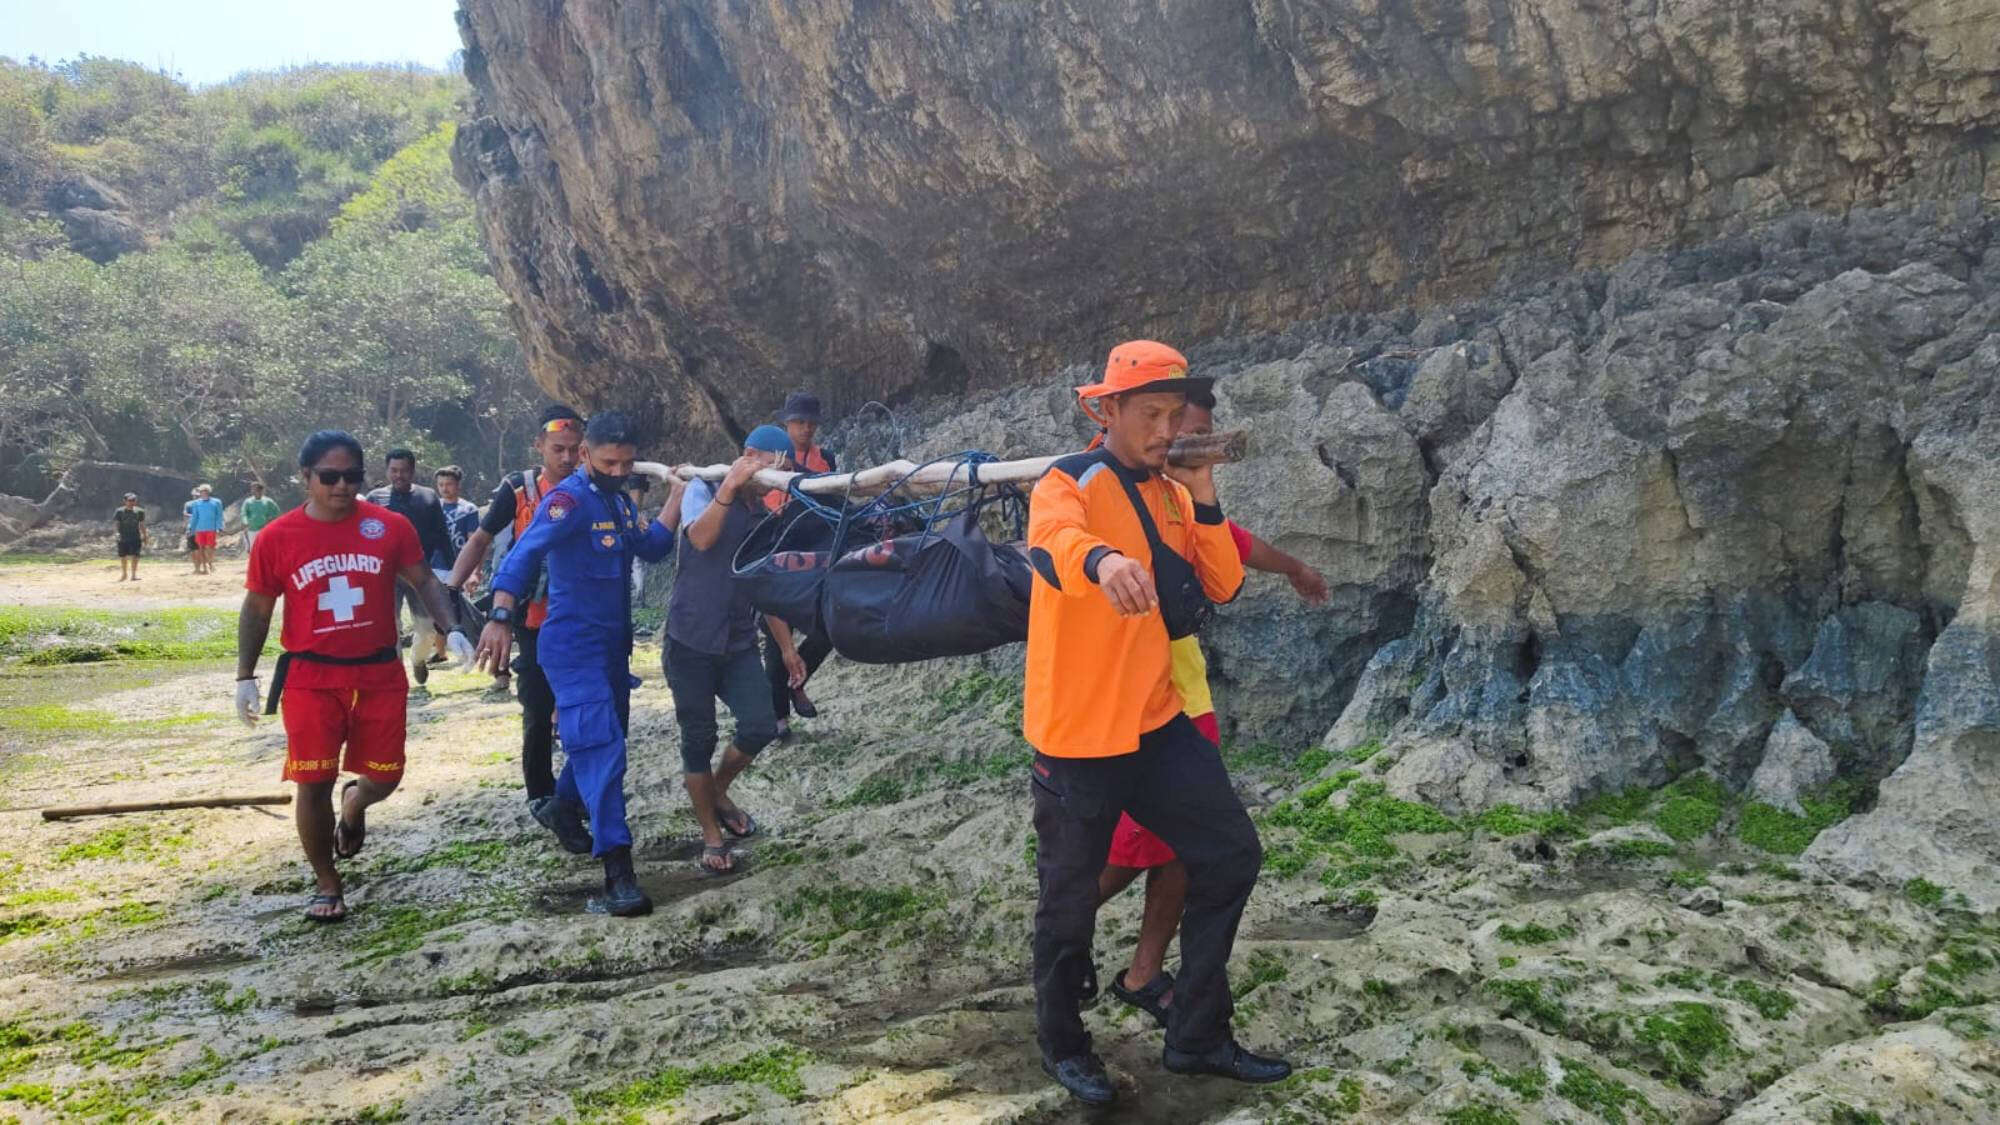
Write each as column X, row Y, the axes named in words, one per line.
column 204, row 538
column 1133, row 846
column 370, row 723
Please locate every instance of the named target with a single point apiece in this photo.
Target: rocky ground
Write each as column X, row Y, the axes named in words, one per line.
column 1653, row 956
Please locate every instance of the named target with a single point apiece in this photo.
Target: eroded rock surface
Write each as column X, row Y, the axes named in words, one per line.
column 871, row 961
column 695, row 206
column 1728, row 509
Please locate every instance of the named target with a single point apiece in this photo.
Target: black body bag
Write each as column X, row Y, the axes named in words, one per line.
column 793, row 550
column 1184, row 605
column 948, row 591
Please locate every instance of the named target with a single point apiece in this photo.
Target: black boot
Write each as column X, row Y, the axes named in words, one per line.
column 567, row 819
column 1227, row 1061
column 622, row 896
column 1083, row 1076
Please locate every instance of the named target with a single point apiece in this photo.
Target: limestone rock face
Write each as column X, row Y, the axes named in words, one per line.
column 697, row 206
column 1795, row 763
column 1633, row 378
column 1730, row 508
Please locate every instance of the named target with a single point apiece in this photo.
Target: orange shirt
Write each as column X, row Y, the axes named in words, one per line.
column 814, row 461
column 1096, row 681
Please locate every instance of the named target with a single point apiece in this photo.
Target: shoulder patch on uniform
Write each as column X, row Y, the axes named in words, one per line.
column 561, row 504
column 1076, row 464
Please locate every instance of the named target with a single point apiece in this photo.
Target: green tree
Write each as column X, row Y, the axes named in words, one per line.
column 201, row 348
column 313, row 263
column 52, row 317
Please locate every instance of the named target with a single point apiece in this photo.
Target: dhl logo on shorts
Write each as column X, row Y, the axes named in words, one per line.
column 384, row 767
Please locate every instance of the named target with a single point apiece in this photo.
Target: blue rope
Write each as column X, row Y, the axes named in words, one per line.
column 931, row 509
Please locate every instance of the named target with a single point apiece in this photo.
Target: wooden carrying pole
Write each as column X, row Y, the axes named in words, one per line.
column 70, row 812
column 1193, row 450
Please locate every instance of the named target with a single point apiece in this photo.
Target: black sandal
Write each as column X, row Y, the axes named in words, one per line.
column 749, row 823
column 707, row 872
column 326, row 900
column 343, row 830
column 1146, row 999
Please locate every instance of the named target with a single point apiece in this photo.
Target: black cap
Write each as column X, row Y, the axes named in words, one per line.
column 800, row 407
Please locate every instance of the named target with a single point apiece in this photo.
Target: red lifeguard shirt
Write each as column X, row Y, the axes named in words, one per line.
column 338, row 581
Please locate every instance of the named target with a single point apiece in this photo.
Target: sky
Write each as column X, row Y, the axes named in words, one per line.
column 207, row 41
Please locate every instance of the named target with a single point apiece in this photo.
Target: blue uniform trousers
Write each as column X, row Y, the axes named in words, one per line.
column 593, row 708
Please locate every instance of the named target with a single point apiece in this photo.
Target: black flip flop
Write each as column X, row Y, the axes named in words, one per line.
column 750, row 826
column 707, row 872
column 802, row 704
column 342, row 829
column 326, row 900
column 1146, row 999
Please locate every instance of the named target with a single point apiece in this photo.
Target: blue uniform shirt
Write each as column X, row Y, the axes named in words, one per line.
column 587, row 540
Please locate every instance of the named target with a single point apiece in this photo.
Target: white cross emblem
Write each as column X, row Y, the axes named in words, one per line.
column 340, row 599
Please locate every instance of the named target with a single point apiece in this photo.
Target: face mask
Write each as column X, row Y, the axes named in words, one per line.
column 605, row 482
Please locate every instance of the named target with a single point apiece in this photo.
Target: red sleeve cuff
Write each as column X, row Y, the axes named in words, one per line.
column 1242, row 538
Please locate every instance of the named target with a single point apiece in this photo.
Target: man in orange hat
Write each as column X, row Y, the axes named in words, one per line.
column 1127, row 560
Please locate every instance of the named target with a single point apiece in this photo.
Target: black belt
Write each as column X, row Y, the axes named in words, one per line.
column 387, row 655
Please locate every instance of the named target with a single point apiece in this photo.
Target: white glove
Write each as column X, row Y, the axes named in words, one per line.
column 460, row 649
column 246, row 701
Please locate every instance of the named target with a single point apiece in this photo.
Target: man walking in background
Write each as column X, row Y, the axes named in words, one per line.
column 336, row 562
column 1146, row 984
column 558, row 443
column 205, row 524
column 711, row 650
column 461, row 516
column 461, row 519
column 1126, row 560
column 405, row 497
column 187, row 527
column 790, row 661
column 258, row 511
column 587, row 532
column 130, row 523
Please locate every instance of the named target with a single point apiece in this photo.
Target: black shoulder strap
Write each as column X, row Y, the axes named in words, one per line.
column 1139, row 505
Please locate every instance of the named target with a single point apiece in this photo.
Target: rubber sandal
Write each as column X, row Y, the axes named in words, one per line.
column 1146, row 999
column 707, row 872
column 345, row 831
column 749, row 829
column 326, row 900
column 802, row 704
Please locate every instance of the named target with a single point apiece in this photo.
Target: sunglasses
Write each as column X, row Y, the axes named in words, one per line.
column 558, row 425
column 331, row 477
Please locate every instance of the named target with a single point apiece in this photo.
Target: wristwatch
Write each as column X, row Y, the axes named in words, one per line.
column 501, row 614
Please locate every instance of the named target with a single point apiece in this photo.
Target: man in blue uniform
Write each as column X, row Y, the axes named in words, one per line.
column 587, row 531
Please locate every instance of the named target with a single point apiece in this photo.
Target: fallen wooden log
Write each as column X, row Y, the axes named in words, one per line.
column 71, row 812
column 1190, row 451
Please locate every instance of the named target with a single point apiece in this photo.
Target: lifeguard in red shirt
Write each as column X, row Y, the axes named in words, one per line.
column 335, row 561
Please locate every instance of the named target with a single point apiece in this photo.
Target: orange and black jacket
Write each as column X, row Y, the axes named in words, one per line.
column 1096, row 680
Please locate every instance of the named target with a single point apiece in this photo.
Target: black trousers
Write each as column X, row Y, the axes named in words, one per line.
column 697, row 680
column 1175, row 785
column 538, row 719
column 813, row 650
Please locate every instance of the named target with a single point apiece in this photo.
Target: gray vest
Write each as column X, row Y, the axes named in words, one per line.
column 709, row 611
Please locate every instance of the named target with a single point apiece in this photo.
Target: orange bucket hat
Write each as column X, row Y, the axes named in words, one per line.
column 1144, row 366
